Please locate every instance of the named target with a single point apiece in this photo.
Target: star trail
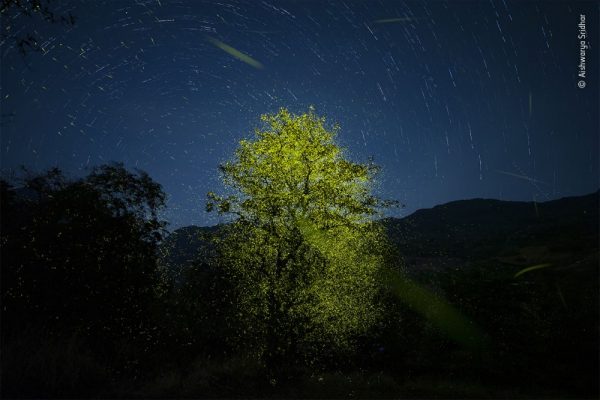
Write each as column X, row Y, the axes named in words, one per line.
column 454, row 100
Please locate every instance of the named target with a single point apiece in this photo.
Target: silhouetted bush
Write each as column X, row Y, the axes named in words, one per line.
column 79, row 260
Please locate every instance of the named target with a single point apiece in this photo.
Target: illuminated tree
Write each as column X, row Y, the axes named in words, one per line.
column 302, row 249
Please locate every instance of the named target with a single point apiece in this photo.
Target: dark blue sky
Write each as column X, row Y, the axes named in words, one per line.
column 454, row 100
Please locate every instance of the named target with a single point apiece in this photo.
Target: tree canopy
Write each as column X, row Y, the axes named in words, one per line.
column 294, row 170
column 303, row 249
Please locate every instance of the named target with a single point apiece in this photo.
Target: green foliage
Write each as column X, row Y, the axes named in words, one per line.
column 303, row 249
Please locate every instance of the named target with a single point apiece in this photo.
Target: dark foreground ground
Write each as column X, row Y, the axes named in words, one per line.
column 539, row 328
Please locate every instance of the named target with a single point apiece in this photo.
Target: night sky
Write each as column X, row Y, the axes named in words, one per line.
column 454, row 100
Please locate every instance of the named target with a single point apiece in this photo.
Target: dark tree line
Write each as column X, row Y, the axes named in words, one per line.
column 91, row 306
column 79, row 259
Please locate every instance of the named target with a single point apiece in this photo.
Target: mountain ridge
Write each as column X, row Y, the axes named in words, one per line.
column 461, row 230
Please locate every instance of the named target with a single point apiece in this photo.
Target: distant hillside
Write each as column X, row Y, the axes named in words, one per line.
column 184, row 246
column 500, row 237
column 467, row 227
column 460, row 232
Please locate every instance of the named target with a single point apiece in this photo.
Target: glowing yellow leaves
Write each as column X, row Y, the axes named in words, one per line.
column 302, row 244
